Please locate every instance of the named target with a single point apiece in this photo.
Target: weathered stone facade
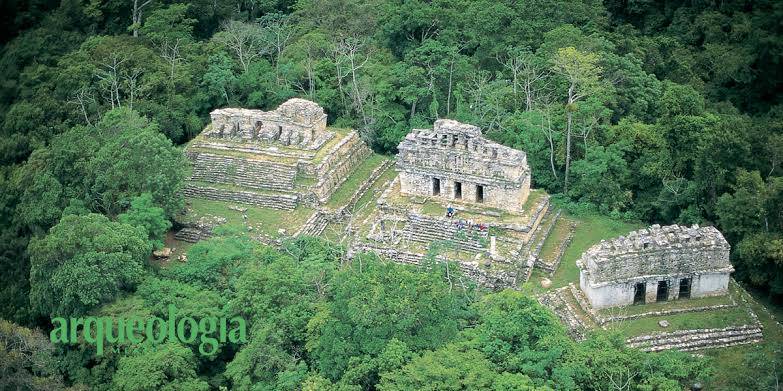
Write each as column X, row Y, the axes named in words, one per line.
column 276, row 159
column 454, row 161
column 297, row 122
column 656, row 264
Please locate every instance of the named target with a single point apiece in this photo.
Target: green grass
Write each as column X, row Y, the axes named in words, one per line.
column 590, row 229
column 264, row 220
column 730, row 361
column 555, row 238
column 671, row 305
column 734, row 316
column 355, row 180
column 302, row 181
column 366, row 203
column 533, row 198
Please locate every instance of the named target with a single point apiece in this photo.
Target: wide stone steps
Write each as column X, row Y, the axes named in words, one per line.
column 255, row 174
column 483, row 277
column 275, row 201
column 543, row 231
column 191, row 235
column 426, row 230
column 567, row 314
column 315, row 225
column 690, row 340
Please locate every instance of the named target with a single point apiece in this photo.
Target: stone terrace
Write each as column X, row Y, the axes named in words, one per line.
column 283, row 159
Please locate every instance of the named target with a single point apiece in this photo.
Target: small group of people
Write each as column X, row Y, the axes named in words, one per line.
column 469, row 224
column 461, row 224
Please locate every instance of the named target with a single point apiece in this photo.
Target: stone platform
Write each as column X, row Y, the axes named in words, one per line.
column 573, row 309
column 488, row 244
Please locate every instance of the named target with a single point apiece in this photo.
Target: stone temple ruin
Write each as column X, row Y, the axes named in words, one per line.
column 494, row 218
column 297, row 122
column 453, row 161
column 275, row 159
column 656, row 264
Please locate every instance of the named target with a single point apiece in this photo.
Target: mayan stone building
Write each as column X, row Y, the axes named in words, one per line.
column 297, row 122
column 453, row 161
column 656, row 264
column 274, row 159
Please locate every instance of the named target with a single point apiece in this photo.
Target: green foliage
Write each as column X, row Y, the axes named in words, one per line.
column 145, row 215
column 169, row 366
column 215, row 263
column 26, row 360
column 375, row 302
column 82, row 262
column 136, row 159
column 452, row 368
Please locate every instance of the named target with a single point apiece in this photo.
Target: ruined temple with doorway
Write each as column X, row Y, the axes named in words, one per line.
column 296, row 122
column 278, row 159
column 454, row 161
column 463, row 198
column 656, row 264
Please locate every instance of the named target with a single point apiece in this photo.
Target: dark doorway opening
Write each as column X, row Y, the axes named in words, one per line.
column 479, row 193
column 458, row 190
column 663, row 291
column 639, row 293
column 685, row 288
column 435, row 186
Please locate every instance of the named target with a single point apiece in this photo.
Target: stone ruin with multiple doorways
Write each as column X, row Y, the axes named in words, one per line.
column 494, row 228
column 453, row 161
column 654, row 265
column 297, row 122
column 275, row 159
column 661, row 265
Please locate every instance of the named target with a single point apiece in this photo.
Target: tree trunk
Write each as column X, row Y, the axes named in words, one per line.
column 569, row 124
column 448, row 96
column 568, row 150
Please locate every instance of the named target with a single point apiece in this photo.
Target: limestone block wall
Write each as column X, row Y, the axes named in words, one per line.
column 458, row 153
column 296, row 122
column 276, row 201
column 250, row 173
column 338, row 164
column 495, row 195
column 622, row 293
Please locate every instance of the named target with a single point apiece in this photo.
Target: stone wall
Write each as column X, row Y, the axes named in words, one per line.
column 493, row 278
column 338, row 164
column 297, row 122
column 653, row 258
column 454, row 161
column 275, row 201
column 250, row 173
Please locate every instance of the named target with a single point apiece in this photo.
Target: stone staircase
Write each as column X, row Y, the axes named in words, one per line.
column 275, row 201
column 489, row 278
column 541, row 234
column 250, row 173
column 191, row 235
column 315, row 224
column 690, row 340
column 556, row 301
column 425, row 229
